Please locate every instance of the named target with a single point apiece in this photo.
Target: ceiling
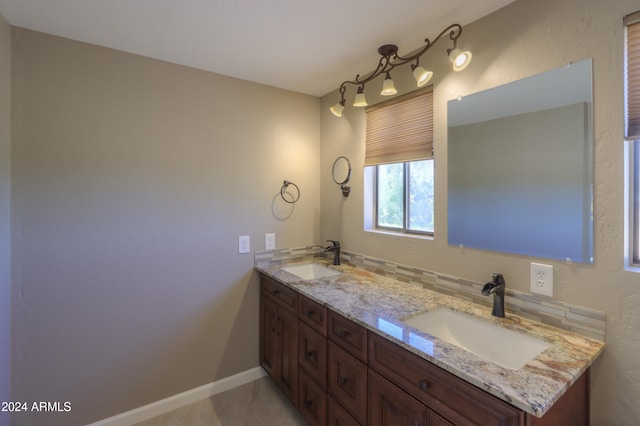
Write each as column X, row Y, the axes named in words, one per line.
column 307, row 46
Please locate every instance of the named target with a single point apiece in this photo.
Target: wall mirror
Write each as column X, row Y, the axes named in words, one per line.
column 341, row 173
column 520, row 166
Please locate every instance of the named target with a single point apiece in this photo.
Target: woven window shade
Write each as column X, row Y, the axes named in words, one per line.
column 401, row 129
column 632, row 109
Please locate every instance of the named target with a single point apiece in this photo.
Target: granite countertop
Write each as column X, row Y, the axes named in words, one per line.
column 380, row 304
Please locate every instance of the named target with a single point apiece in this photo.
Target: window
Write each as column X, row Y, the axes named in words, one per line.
column 399, row 164
column 633, row 196
column 632, row 136
column 404, row 196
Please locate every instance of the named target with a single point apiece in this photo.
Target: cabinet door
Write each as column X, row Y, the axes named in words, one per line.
column 434, row 419
column 347, row 382
column 287, row 377
column 268, row 335
column 312, row 353
column 337, row 416
column 390, row 406
column 312, row 401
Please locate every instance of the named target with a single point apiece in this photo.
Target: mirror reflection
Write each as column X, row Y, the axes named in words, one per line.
column 520, row 166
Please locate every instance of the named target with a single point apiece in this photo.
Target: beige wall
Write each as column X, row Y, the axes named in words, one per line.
column 525, row 38
column 132, row 180
column 5, row 233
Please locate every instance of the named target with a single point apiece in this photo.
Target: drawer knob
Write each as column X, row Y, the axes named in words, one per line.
column 344, row 334
column 311, row 313
column 311, row 354
column 275, row 292
column 343, row 381
column 308, row 403
column 423, row 384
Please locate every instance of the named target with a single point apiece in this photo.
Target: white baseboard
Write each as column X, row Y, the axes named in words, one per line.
column 180, row 400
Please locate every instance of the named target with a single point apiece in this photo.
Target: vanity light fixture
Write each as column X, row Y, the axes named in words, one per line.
column 360, row 100
column 390, row 59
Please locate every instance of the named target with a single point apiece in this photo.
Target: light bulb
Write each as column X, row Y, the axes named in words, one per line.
column 459, row 59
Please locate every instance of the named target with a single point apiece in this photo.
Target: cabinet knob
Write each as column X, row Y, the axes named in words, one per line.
column 343, row 381
column 310, row 354
column 308, row 403
column 423, row 384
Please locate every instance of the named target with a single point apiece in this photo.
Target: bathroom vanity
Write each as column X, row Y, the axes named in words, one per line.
column 338, row 348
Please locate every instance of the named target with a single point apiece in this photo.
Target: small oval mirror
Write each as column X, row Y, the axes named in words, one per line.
column 341, row 170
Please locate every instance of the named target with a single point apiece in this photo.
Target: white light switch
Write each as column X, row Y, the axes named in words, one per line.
column 244, row 244
column 269, row 241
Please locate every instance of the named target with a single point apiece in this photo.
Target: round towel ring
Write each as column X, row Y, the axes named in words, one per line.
column 285, row 187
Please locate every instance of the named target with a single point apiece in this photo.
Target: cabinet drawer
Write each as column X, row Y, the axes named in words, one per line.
column 312, row 401
column 286, row 296
column 312, row 353
column 347, row 382
column 349, row 335
column 337, row 416
column 314, row 314
column 456, row 400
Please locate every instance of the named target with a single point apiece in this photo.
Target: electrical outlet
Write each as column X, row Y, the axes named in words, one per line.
column 542, row 279
column 244, row 244
column 269, row 241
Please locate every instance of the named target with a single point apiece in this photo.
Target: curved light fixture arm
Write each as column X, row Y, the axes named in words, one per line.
column 390, row 58
column 383, row 63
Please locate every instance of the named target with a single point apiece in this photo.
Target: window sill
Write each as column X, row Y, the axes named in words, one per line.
column 404, row 234
column 632, row 268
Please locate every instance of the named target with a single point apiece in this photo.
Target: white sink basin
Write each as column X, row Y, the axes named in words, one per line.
column 502, row 346
column 311, row 271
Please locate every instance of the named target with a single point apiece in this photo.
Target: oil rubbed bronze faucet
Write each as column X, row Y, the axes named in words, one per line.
column 497, row 288
column 335, row 248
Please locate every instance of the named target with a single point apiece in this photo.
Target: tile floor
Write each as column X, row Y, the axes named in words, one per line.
column 259, row 403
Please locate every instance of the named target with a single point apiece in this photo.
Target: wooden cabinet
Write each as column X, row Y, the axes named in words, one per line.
column 312, row 353
column 312, row 400
column 279, row 336
column 313, row 314
column 337, row 416
column 347, row 382
column 348, row 335
column 390, row 406
column 338, row 373
column 285, row 296
column 452, row 398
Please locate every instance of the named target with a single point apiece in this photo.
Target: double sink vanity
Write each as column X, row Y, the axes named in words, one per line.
column 351, row 347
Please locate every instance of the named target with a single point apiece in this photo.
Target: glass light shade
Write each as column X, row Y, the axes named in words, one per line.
column 422, row 76
column 459, row 59
column 388, row 88
column 360, row 100
column 337, row 109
